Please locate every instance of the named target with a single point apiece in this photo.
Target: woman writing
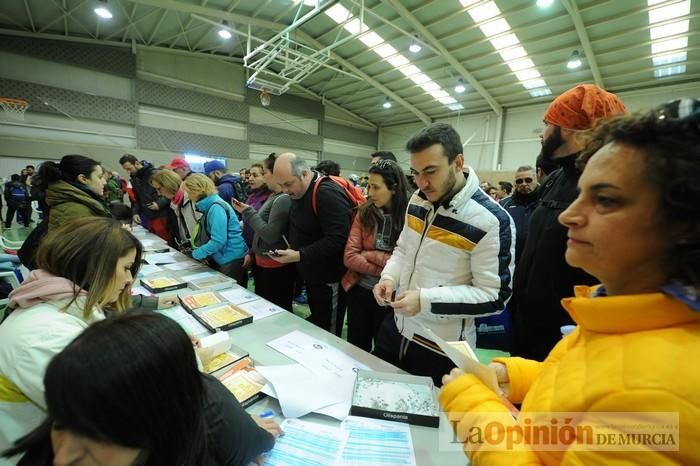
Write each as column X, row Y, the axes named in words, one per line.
column 636, row 227
column 274, row 281
column 223, row 248
column 74, row 189
column 372, row 239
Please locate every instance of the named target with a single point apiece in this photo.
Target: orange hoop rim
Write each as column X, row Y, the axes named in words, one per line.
column 9, row 100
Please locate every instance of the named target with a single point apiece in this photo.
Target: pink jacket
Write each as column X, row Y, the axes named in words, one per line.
column 360, row 257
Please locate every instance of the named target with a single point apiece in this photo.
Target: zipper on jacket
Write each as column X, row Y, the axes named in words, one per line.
column 422, row 236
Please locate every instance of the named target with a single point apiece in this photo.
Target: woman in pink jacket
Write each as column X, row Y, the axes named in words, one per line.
column 372, row 239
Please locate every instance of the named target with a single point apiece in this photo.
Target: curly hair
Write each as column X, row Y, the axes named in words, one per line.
column 671, row 149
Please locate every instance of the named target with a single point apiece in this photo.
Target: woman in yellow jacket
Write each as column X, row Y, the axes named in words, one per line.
column 636, row 227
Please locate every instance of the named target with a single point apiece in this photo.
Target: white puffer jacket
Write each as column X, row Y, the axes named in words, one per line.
column 459, row 256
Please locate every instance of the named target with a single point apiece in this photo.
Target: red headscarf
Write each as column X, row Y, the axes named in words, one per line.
column 581, row 107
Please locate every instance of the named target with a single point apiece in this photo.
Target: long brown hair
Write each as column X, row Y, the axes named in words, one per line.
column 85, row 251
column 395, row 180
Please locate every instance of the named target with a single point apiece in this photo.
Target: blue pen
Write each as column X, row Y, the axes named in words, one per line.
column 269, row 414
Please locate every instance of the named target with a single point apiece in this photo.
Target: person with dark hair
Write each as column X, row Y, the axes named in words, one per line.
column 122, row 214
column 30, row 170
column 228, row 185
column 328, row 167
column 544, row 167
column 149, row 207
column 372, row 238
column 156, row 409
column 17, row 200
column 543, row 278
column 382, row 155
column 521, row 205
column 635, row 226
column 74, row 188
column 273, row 281
column 453, row 260
column 258, row 194
column 506, row 188
column 317, row 237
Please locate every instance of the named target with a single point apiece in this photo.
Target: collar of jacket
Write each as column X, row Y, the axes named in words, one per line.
column 568, row 164
column 626, row 313
column 203, row 204
column 467, row 191
column 524, row 199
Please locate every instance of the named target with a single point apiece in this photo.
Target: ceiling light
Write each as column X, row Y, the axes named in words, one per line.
column 522, row 64
column 387, row 103
column 420, row 78
column 668, row 45
column 439, row 94
column 669, row 58
column 338, row 13
column 430, row 86
column 672, row 29
column 460, row 87
column 533, row 83
column 668, row 12
column 483, row 12
column 544, row 3
column 669, row 70
column 398, row 61
column 540, row 92
column 526, row 75
column 513, row 54
column 355, row 27
column 223, row 32
column 385, row 50
column 574, row 61
column 410, row 70
column 495, row 27
column 415, row 46
column 102, row 10
column 504, row 41
column 447, row 100
column 456, row 107
column 371, row 39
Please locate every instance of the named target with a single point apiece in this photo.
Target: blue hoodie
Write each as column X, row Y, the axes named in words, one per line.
column 225, row 236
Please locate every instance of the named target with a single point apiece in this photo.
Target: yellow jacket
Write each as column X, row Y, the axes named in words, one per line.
column 633, row 353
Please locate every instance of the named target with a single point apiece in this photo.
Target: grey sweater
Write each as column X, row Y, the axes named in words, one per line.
column 270, row 223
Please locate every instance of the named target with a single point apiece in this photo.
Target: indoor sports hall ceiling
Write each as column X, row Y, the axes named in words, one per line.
column 358, row 54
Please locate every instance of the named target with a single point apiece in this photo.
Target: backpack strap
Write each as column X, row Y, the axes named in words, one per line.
column 313, row 193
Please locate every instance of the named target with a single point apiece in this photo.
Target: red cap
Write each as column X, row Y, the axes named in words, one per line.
column 178, row 162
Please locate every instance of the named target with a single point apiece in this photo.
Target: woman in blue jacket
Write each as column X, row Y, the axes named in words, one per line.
column 219, row 239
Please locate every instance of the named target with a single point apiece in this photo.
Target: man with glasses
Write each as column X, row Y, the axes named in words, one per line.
column 521, row 204
column 542, row 277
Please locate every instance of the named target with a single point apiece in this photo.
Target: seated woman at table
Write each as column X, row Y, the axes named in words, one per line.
column 127, row 391
column 372, row 239
column 74, row 188
column 274, row 281
column 636, row 227
column 168, row 184
column 224, row 248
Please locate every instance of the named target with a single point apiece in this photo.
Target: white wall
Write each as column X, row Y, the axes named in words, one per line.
column 522, row 125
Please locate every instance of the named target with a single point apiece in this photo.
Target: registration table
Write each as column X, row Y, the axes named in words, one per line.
column 253, row 338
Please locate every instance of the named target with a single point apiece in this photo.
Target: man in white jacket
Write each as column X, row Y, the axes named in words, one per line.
column 453, row 260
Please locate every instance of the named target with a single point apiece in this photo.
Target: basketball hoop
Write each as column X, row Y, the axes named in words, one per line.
column 14, row 108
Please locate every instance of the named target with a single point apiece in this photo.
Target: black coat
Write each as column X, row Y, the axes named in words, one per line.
column 145, row 193
column 542, row 277
column 520, row 207
column 321, row 238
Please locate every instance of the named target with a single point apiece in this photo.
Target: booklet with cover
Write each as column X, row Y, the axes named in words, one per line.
column 162, row 284
column 200, row 300
column 224, row 317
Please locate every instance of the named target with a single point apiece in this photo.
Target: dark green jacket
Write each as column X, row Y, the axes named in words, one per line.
column 67, row 202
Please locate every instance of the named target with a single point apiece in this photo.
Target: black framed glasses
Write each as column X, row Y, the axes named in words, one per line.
column 523, row 180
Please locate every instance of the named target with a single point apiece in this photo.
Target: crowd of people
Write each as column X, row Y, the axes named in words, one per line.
column 608, row 214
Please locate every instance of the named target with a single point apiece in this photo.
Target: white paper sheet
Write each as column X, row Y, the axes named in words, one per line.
column 308, row 444
column 373, row 442
column 148, row 269
column 299, row 390
column 181, row 265
column 162, row 258
column 198, row 276
column 261, row 308
column 483, row 372
column 186, row 321
column 238, row 295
